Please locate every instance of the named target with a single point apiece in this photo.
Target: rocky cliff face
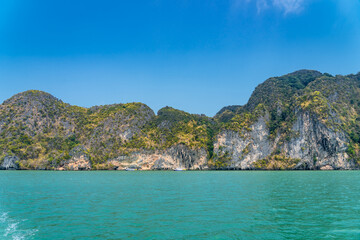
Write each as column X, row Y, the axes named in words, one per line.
column 79, row 160
column 174, row 157
column 35, row 112
column 302, row 120
column 10, row 163
column 242, row 151
column 313, row 145
column 317, row 145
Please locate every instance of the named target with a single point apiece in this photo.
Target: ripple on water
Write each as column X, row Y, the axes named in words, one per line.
column 9, row 228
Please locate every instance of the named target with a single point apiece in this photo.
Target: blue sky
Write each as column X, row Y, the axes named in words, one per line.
column 196, row 56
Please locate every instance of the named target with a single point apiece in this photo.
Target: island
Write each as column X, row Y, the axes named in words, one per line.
column 305, row 120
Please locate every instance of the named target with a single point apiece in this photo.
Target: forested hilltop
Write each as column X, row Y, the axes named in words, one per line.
column 302, row 120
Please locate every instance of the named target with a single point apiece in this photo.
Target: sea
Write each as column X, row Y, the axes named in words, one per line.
column 180, row 205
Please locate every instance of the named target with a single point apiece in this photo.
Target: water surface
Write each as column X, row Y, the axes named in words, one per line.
column 180, row 205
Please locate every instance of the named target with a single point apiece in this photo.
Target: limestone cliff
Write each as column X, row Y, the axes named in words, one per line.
column 302, row 120
column 10, row 163
column 174, row 157
column 312, row 145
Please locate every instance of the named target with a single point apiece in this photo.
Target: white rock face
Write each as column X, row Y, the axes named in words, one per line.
column 77, row 163
column 318, row 145
column 315, row 144
column 79, row 160
column 10, row 162
column 245, row 150
column 178, row 156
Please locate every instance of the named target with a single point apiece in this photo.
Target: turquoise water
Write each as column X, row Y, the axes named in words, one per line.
column 179, row 205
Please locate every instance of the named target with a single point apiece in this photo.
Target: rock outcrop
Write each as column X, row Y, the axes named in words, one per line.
column 79, row 160
column 10, row 163
column 244, row 150
column 304, row 120
column 317, row 145
column 178, row 156
column 314, row 144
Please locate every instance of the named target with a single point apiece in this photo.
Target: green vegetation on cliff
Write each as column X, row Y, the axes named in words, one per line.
column 42, row 130
column 171, row 127
column 332, row 100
